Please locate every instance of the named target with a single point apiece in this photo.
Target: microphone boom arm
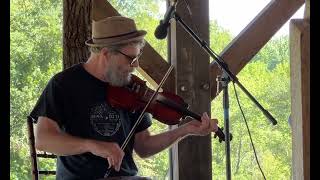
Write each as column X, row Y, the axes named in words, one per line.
column 224, row 67
column 227, row 76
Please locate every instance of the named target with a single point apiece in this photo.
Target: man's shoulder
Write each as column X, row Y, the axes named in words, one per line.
column 68, row 74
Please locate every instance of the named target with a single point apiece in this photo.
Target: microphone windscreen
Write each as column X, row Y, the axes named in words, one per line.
column 161, row 31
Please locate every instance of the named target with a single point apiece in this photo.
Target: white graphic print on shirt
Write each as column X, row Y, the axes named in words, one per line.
column 104, row 119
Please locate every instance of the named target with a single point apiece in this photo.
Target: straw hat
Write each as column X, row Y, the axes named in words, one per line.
column 114, row 30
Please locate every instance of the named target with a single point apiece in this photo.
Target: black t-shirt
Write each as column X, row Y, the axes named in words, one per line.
column 76, row 100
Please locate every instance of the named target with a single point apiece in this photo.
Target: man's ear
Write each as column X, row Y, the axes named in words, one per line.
column 105, row 52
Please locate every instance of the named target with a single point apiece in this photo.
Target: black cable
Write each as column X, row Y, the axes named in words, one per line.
column 245, row 120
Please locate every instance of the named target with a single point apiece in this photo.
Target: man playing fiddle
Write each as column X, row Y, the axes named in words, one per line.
column 75, row 122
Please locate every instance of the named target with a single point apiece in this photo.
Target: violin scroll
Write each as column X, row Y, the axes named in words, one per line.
column 221, row 135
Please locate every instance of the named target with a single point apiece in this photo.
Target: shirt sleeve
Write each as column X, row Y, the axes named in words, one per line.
column 145, row 122
column 51, row 103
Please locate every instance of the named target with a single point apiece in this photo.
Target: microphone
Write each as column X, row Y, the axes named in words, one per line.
column 162, row 29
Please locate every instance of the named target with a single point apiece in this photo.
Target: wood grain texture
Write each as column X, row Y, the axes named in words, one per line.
column 300, row 97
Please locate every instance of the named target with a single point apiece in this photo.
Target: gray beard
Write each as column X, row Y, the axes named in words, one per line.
column 116, row 78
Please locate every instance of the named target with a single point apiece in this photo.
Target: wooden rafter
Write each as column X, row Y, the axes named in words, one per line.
column 253, row 37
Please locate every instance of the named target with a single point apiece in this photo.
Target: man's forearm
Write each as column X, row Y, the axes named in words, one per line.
column 61, row 143
column 49, row 138
column 156, row 143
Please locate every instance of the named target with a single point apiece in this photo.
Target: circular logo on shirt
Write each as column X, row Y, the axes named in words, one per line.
column 104, row 119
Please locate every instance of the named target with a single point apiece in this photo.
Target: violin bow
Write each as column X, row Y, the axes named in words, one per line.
column 124, row 144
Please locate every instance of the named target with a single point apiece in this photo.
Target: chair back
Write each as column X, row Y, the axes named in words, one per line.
column 34, row 154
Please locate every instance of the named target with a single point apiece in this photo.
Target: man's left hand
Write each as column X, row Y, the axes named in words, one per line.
column 204, row 127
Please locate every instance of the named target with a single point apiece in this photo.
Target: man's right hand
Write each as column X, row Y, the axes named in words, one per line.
column 49, row 138
column 109, row 150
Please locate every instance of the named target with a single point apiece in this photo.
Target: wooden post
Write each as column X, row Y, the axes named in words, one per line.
column 307, row 10
column 300, row 97
column 192, row 156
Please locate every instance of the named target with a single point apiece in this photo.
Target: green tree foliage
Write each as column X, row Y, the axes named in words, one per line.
column 36, row 54
column 219, row 37
column 273, row 143
column 274, row 52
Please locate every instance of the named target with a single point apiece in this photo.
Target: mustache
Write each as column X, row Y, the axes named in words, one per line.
column 131, row 70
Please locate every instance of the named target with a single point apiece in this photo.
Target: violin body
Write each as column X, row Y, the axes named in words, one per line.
column 166, row 107
column 135, row 97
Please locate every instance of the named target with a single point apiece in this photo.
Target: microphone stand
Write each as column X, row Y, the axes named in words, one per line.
column 225, row 80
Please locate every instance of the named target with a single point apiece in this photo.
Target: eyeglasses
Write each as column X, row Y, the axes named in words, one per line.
column 132, row 60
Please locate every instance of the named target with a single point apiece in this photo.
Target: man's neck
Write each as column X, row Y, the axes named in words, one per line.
column 95, row 67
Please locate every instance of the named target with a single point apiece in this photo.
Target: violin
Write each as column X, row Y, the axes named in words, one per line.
column 168, row 108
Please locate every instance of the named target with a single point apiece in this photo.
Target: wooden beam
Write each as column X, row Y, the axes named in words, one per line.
column 300, row 97
column 254, row 36
column 307, row 10
column 192, row 156
column 153, row 66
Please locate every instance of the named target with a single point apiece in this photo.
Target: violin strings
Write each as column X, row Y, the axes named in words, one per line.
column 123, row 146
